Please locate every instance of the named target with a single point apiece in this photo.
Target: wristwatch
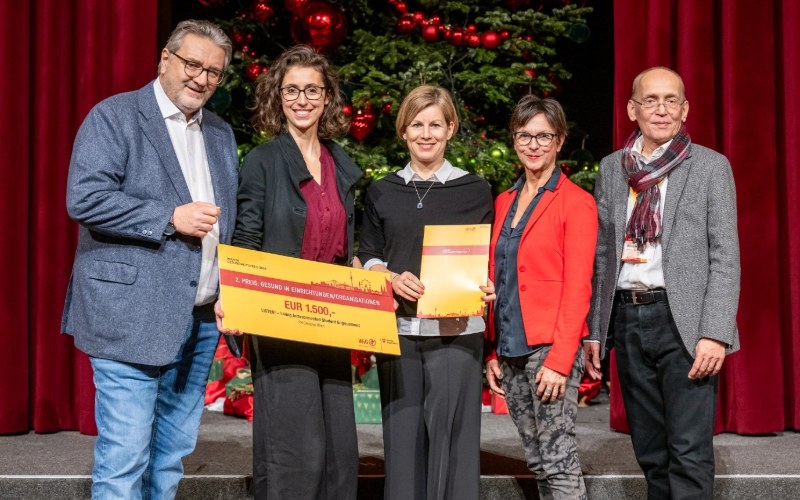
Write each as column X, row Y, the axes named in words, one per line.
column 170, row 229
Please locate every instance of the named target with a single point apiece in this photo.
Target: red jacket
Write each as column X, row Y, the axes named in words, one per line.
column 554, row 270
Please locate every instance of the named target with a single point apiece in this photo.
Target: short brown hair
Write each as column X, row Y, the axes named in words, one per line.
column 269, row 116
column 421, row 98
column 531, row 105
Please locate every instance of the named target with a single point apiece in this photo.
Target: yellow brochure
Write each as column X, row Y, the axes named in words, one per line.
column 455, row 261
column 307, row 301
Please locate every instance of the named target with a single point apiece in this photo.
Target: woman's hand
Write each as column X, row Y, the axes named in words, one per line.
column 494, row 375
column 219, row 315
column 488, row 291
column 550, row 385
column 407, row 286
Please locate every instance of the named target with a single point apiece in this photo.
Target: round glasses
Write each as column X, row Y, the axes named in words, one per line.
column 312, row 93
column 194, row 69
column 543, row 139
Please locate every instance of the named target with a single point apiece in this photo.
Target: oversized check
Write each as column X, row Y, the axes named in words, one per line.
column 307, row 301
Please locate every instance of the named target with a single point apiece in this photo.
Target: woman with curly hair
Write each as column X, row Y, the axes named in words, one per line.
column 296, row 198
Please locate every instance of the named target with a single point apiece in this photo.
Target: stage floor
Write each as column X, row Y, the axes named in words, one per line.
column 58, row 465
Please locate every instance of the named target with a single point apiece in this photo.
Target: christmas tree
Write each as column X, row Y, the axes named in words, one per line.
column 487, row 53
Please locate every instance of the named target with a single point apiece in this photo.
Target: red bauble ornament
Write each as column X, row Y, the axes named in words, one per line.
column 505, row 34
column 386, row 108
column 347, row 110
column 456, row 36
column 241, row 39
column 363, row 123
column 473, row 39
column 254, row 69
column 262, row 11
column 419, row 18
column 323, row 26
column 490, row 40
column 531, row 73
column 430, row 33
column 436, row 19
column 401, row 8
column 405, row 24
column 213, row 3
column 471, row 28
column 296, row 6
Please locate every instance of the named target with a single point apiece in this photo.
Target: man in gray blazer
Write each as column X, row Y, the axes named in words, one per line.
column 666, row 286
column 152, row 183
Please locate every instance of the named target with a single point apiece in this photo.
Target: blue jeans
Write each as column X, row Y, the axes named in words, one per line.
column 148, row 417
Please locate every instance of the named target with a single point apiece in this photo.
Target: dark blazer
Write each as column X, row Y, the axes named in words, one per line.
column 132, row 290
column 272, row 210
column 700, row 247
column 554, row 269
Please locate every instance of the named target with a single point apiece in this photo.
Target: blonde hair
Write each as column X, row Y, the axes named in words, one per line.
column 420, row 98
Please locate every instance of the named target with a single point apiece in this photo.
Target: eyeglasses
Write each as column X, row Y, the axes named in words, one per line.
column 312, row 93
column 524, row 138
column 651, row 103
column 194, row 69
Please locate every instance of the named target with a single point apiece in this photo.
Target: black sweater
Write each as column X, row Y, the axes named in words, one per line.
column 393, row 225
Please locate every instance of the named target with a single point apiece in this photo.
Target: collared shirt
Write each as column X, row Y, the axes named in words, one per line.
column 187, row 141
column 439, row 326
column 507, row 309
column 648, row 274
column 325, row 232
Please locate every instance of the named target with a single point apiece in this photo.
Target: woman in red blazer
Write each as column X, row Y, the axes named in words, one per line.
column 543, row 243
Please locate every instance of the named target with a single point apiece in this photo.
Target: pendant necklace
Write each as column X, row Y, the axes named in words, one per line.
column 419, row 205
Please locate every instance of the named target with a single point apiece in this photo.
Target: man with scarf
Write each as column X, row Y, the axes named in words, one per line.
column 666, row 286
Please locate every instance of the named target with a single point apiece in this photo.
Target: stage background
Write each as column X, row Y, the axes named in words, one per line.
column 738, row 59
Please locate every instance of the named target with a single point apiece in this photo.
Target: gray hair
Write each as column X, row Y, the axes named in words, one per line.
column 205, row 29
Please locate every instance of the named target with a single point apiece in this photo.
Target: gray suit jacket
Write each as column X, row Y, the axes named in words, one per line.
column 700, row 247
column 132, row 290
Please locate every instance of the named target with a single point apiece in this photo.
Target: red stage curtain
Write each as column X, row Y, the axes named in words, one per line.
column 739, row 61
column 60, row 57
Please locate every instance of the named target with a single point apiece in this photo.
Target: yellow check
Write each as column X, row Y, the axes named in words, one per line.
column 307, row 301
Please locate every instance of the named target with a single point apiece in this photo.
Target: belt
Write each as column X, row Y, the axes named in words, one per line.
column 640, row 297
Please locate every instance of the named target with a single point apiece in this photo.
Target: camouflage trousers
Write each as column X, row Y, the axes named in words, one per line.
column 547, row 429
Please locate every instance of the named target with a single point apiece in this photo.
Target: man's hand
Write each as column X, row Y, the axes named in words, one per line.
column 550, row 385
column 592, row 361
column 196, row 218
column 494, row 375
column 219, row 315
column 709, row 356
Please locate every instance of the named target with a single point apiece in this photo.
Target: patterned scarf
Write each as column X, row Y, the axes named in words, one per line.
column 644, row 225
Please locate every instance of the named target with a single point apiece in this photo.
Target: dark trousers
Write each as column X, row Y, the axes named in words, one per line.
column 304, row 431
column 671, row 417
column 431, row 398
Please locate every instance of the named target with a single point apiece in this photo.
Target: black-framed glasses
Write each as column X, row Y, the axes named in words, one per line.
column 543, row 138
column 193, row 69
column 312, row 93
column 651, row 103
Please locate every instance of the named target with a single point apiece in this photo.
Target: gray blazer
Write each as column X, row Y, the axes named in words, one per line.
column 132, row 290
column 700, row 247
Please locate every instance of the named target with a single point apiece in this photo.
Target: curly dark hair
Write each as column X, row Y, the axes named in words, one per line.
column 269, row 117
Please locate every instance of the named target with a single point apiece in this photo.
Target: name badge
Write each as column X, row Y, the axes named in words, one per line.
column 631, row 254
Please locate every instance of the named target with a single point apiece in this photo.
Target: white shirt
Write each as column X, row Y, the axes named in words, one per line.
column 187, row 141
column 648, row 274
column 439, row 326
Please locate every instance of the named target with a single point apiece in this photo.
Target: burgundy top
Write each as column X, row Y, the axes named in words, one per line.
column 325, row 234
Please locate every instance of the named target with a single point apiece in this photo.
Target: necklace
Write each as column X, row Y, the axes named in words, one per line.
column 419, row 205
